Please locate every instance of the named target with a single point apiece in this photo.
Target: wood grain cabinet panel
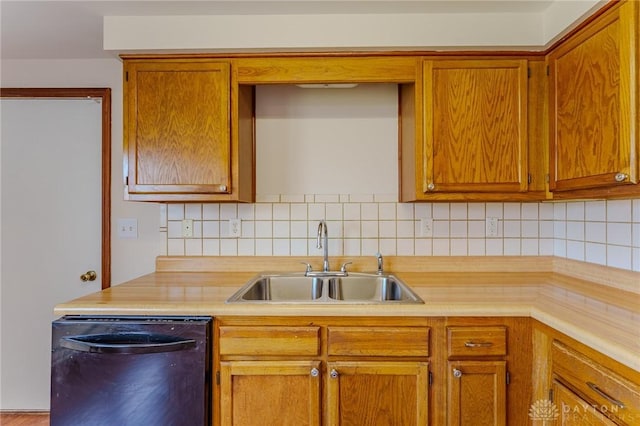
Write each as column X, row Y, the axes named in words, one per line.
column 477, row 341
column 378, row 341
column 178, row 139
column 571, row 410
column 269, row 340
column 270, row 393
column 475, row 127
column 477, row 393
column 611, row 394
column 366, row 393
column 593, row 107
column 372, row 371
column 488, row 371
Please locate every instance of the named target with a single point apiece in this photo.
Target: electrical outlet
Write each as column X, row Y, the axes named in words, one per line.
column 128, row 228
column 426, row 227
column 235, row 228
column 187, row 228
column 492, row 227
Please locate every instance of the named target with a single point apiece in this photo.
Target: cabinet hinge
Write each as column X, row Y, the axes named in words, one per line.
column 508, row 378
column 548, row 70
column 126, row 76
column 547, row 178
column 528, row 72
column 529, row 178
column 126, row 180
column 430, row 378
column 550, row 394
column 217, row 377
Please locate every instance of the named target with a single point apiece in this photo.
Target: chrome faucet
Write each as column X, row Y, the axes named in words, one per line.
column 322, row 227
column 379, row 258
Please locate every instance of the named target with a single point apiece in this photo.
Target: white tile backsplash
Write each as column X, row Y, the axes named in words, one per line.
column 601, row 232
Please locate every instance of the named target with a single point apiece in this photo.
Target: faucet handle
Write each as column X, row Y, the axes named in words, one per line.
column 308, row 268
column 343, row 268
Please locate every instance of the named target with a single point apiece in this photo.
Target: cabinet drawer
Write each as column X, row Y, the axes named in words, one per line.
column 269, row 340
column 378, row 341
column 477, row 341
column 611, row 394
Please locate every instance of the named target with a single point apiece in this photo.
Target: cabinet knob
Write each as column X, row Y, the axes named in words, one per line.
column 621, row 177
column 431, row 187
column 334, row 373
column 457, row 373
column 89, row 276
column 223, row 188
column 314, row 372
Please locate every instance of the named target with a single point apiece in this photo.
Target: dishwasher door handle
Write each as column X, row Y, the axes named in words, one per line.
column 126, row 343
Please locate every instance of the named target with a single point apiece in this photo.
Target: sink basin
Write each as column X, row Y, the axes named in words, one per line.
column 280, row 288
column 370, row 288
column 355, row 288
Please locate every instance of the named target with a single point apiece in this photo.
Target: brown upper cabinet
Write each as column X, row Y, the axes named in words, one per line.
column 182, row 142
column 593, row 108
column 473, row 140
column 498, row 126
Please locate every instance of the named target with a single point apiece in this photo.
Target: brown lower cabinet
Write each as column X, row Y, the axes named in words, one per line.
column 364, row 371
column 323, row 371
column 488, row 371
column 572, row 410
column 372, row 371
column 378, row 393
column 270, row 393
column 578, row 385
column 477, row 393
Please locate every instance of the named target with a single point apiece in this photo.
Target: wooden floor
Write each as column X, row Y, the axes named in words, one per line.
column 24, row 419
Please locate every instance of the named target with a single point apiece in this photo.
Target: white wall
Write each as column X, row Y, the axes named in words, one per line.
column 327, row 141
column 335, row 31
column 129, row 258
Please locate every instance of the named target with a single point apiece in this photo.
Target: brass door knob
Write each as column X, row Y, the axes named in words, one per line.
column 89, row 276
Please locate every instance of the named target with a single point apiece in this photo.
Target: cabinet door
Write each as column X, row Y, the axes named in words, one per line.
column 177, row 128
column 477, row 393
column 592, row 105
column 475, row 129
column 571, row 410
column 270, row 393
column 386, row 393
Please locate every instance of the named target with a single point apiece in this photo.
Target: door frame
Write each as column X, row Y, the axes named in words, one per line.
column 104, row 94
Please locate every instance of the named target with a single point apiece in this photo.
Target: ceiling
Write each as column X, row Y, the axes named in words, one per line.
column 74, row 29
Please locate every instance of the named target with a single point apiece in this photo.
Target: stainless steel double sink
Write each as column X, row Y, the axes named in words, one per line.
column 359, row 288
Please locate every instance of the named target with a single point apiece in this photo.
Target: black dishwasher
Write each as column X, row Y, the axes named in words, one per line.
column 131, row 371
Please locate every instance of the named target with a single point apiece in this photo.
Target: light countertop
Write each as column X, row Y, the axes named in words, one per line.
column 595, row 305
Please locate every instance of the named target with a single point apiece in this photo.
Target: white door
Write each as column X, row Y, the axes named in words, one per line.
column 51, row 232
